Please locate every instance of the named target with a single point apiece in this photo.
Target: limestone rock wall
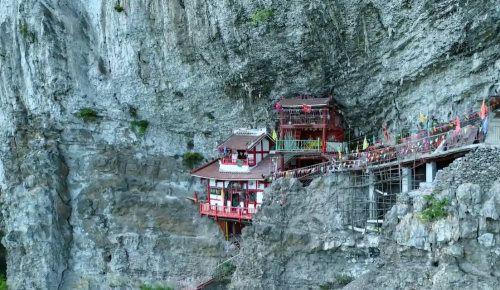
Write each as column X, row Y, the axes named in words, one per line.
column 298, row 241
column 109, row 202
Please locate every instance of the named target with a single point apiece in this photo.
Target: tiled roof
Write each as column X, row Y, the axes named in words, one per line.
column 309, row 102
column 242, row 142
column 211, row 171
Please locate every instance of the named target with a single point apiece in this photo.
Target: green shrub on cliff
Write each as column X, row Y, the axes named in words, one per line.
column 225, row 270
column 139, row 127
column 260, row 16
column 191, row 159
column 436, row 209
column 3, row 283
column 87, row 114
column 118, row 8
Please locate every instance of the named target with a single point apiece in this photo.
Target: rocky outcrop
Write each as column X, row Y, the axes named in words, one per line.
column 453, row 252
column 298, row 242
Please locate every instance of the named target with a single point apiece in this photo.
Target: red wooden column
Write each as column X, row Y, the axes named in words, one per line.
column 323, row 139
column 208, row 190
column 282, row 136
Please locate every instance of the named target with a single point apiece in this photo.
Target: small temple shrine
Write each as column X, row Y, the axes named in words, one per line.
column 309, row 128
column 236, row 180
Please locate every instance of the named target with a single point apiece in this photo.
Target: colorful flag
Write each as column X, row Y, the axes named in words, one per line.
column 365, row 144
column 482, row 114
column 386, row 135
column 277, row 107
column 275, row 136
column 457, row 125
column 423, row 118
column 307, row 109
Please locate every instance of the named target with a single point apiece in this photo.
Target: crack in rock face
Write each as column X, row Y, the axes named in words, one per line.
column 91, row 200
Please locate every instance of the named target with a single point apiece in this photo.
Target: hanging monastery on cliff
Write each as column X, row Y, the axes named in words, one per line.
column 311, row 141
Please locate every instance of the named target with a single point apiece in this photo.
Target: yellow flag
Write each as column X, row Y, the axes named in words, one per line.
column 365, row 144
column 423, row 118
column 340, row 155
column 274, row 135
column 222, row 196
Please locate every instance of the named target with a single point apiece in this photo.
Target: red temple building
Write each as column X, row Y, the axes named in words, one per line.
column 236, row 180
column 309, row 128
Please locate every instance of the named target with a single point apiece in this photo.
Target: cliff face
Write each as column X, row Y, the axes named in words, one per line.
column 297, row 242
column 88, row 202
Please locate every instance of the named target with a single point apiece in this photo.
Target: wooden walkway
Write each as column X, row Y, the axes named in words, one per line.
column 415, row 149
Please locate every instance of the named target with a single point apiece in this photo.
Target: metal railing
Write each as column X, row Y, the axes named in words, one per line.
column 216, row 211
column 298, row 145
column 412, row 148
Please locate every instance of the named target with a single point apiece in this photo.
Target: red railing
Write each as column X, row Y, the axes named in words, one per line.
column 216, row 211
column 233, row 161
column 411, row 149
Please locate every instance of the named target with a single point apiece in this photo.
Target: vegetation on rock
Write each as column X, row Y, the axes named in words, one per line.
column 87, row 113
column 3, row 283
column 260, row 16
column 225, row 270
column 118, row 8
column 26, row 33
column 436, row 209
column 191, row 159
column 139, row 127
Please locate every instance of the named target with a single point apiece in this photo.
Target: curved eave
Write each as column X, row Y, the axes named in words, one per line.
column 192, row 172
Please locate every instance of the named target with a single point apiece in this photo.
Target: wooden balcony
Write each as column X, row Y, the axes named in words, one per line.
column 315, row 119
column 232, row 161
column 219, row 211
column 298, row 145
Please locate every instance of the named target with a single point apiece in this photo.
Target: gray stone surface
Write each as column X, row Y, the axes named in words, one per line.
column 297, row 243
column 298, row 240
column 108, row 223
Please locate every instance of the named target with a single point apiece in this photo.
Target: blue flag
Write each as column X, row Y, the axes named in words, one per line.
column 225, row 151
column 485, row 124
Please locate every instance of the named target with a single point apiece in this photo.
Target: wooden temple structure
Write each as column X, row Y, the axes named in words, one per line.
column 309, row 128
column 236, row 180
